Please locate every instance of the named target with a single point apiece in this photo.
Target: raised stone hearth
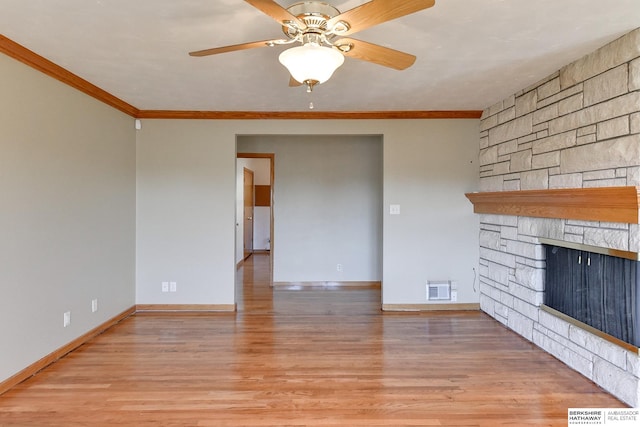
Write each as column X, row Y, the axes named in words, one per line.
column 577, row 129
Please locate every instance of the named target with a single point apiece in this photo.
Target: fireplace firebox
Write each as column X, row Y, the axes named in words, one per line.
column 595, row 286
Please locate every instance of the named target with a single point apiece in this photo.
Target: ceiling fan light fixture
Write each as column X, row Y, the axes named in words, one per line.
column 311, row 62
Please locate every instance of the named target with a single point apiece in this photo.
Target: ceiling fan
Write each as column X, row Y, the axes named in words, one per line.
column 320, row 29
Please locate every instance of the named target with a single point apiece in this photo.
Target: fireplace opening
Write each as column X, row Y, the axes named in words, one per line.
column 595, row 288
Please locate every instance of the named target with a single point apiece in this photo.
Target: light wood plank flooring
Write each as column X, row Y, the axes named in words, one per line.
column 313, row 357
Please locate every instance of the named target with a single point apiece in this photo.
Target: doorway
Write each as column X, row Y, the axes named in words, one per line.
column 327, row 207
column 254, row 205
column 247, row 215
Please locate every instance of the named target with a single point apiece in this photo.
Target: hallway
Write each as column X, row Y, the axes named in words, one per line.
column 254, row 296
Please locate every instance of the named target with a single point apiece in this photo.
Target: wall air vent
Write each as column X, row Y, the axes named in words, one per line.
column 438, row 291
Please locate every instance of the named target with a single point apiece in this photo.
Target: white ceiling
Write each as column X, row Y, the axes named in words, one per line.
column 471, row 53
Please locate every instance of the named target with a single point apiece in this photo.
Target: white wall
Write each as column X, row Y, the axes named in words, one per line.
column 261, row 228
column 186, row 203
column 67, row 191
column 427, row 169
column 185, row 212
column 328, row 206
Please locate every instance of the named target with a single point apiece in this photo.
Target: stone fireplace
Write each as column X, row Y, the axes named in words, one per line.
column 560, row 160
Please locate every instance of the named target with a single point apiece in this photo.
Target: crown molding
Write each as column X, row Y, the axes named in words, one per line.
column 32, row 59
column 307, row 115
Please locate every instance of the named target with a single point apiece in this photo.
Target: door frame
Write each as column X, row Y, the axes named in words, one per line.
column 271, row 157
column 247, row 222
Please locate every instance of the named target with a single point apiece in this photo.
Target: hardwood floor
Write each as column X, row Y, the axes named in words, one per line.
column 306, row 357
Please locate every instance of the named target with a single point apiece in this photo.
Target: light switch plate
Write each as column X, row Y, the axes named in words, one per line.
column 394, row 209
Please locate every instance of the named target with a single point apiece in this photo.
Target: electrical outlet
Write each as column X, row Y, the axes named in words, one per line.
column 165, row 286
column 339, row 267
column 454, row 296
column 173, row 286
column 66, row 319
column 94, row 305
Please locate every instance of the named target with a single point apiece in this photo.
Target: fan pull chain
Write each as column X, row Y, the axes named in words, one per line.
column 311, row 106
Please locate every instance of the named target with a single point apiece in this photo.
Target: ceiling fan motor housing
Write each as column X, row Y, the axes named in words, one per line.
column 315, row 15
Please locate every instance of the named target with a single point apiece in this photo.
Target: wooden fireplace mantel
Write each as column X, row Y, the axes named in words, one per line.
column 608, row 204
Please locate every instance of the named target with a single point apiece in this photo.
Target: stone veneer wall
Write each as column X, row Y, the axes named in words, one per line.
column 580, row 127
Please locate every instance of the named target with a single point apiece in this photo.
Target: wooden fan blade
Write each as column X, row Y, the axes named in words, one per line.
column 293, row 82
column 232, row 48
column 376, row 12
column 277, row 12
column 375, row 53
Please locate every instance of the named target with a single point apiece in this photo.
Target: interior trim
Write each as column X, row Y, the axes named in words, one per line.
column 634, row 256
column 431, row 307
column 186, row 308
column 307, row 115
column 32, row 59
column 62, row 351
column 629, row 347
column 271, row 156
column 608, row 204
column 328, row 284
